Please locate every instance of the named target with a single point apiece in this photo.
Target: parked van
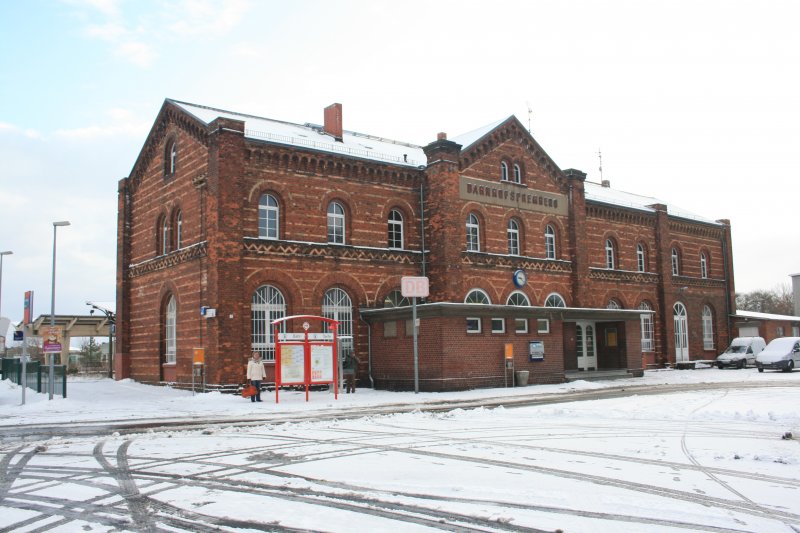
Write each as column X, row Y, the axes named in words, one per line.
column 782, row 353
column 741, row 352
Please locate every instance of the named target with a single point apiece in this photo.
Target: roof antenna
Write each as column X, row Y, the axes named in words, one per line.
column 600, row 155
column 530, row 111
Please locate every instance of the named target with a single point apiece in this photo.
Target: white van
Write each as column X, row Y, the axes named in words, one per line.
column 782, row 353
column 741, row 352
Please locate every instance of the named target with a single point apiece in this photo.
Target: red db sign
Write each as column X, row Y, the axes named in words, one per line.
column 414, row 287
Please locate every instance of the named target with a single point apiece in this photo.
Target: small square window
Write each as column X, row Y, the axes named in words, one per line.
column 390, row 329
column 543, row 325
column 521, row 325
column 498, row 325
column 473, row 325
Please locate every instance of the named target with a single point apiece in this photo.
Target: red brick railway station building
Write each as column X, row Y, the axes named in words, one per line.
column 255, row 219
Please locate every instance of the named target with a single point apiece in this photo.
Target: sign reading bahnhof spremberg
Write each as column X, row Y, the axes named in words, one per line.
column 512, row 195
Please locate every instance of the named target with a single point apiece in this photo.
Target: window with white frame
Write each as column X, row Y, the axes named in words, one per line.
column 503, row 171
column 395, row 229
column 646, row 319
column 795, row 331
column 555, row 300
column 513, row 237
column 676, row 262
column 613, row 304
column 170, row 331
column 268, row 304
column 779, row 331
column 336, row 304
column 473, row 233
column 268, row 217
column 549, row 242
column 641, row 260
column 708, row 328
column 171, row 158
column 542, row 325
column 519, row 299
column 703, row 265
column 335, row 223
column 498, row 325
column 610, row 254
column 396, row 299
column 164, row 236
column 517, row 174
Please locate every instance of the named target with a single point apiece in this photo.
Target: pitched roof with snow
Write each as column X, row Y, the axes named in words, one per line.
column 312, row 136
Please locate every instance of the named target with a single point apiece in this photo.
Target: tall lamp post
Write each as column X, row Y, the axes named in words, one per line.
column 3, row 333
column 53, row 307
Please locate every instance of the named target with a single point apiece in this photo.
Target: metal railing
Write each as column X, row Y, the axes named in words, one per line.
column 37, row 375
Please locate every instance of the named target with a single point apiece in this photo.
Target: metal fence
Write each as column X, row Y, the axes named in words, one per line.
column 37, row 375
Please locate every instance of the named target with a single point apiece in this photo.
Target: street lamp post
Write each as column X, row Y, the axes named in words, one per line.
column 110, row 316
column 3, row 333
column 53, row 307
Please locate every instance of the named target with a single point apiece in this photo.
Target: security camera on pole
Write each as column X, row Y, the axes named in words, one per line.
column 413, row 287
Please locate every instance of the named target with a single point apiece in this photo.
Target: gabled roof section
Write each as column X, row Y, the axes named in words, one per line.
column 468, row 139
column 595, row 192
column 312, row 136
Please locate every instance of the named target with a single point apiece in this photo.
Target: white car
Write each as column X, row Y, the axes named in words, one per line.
column 741, row 352
column 780, row 354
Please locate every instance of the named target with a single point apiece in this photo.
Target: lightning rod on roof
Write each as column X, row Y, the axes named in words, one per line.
column 530, row 111
column 600, row 156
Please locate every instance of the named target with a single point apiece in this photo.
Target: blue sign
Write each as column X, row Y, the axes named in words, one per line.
column 536, row 350
column 17, row 335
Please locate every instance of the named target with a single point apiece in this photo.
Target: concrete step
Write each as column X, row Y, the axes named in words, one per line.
column 596, row 375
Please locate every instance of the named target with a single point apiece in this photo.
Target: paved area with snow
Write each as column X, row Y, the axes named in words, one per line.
column 704, row 459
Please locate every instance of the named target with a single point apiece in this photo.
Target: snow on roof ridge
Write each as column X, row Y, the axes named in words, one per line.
column 469, row 138
column 754, row 314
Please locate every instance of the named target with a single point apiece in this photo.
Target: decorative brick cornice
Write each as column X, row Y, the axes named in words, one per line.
column 531, row 264
column 292, row 159
column 625, row 276
column 707, row 283
column 172, row 259
column 697, row 229
column 324, row 250
column 616, row 214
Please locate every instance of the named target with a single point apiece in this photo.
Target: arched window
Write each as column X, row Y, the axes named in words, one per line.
column 267, row 305
column 335, row 223
column 164, row 236
column 170, row 158
column 646, row 319
column 477, row 296
column 708, row 328
column 395, row 229
column 473, row 233
column 549, row 242
column 555, row 300
column 178, row 230
column 268, row 217
column 610, row 254
column 703, row 265
column 517, row 174
column 519, row 299
column 676, row 262
column 503, row 171
column 336, row 304
column 641, row 259
column 513, row 237
column 396, row 299
column 170, row 331
column 613, row 304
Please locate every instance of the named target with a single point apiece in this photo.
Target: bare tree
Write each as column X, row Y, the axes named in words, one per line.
column 778, row 301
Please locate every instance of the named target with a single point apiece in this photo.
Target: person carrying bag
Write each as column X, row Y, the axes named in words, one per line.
column 255, row 374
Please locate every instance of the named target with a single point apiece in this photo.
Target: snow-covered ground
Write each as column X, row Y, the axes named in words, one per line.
column 699, row 460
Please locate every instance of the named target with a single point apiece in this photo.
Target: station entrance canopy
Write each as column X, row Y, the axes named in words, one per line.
column 72, row 326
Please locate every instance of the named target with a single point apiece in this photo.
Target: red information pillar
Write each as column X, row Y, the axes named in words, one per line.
column 305, row 359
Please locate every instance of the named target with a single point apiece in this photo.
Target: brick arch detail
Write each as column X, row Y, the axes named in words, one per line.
column 475, row 282
column 349, row 283
column 388, row 285
column 408, row 211
column 547, row 290
column 285, row 283
column 269, row 186
column 615, row 295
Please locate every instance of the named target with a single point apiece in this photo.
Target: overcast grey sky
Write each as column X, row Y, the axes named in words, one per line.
column 692, row 102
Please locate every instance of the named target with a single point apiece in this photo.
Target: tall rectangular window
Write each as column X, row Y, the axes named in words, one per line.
column 395, row 230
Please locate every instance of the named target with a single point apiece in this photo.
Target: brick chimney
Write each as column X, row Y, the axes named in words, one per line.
column 333, row 121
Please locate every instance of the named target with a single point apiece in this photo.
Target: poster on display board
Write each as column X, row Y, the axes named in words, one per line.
column 321, row 362
column 293, row 363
